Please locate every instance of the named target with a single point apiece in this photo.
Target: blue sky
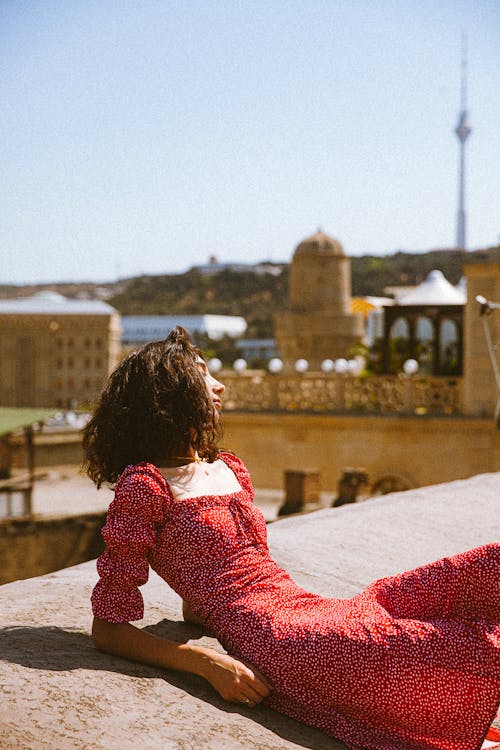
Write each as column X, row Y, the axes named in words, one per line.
column 143, row 137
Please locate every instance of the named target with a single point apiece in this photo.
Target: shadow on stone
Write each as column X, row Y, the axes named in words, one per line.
column 51, row 648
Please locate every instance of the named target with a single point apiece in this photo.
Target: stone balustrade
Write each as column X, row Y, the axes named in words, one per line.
column 258, row 391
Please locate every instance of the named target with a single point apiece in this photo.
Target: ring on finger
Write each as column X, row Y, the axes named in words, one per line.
column 246, row 701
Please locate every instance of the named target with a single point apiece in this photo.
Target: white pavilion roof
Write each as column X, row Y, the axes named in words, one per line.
column 435, row 290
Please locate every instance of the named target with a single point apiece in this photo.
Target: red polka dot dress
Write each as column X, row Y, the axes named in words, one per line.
column 412, row 663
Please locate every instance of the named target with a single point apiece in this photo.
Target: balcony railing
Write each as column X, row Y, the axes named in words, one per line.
column 258, row 391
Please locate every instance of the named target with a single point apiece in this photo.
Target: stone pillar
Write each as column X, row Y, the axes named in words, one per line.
column 302, row 488
column 480, row 391
column 352, row 486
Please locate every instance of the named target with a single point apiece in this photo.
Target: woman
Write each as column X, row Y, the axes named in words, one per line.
column 411, row 663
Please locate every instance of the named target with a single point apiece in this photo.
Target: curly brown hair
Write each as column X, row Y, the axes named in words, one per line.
column 155, row 405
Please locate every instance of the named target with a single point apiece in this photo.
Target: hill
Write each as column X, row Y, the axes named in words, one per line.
column 255, row 295
column 259, row 296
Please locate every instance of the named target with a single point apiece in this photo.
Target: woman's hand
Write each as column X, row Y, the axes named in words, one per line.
column 234, row 680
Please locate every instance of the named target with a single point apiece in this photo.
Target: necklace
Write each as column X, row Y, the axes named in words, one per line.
column 184, row 460
column 196, row 459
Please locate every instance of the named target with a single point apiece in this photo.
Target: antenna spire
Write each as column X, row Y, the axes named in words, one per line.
column 463, row 90
column 462, row 131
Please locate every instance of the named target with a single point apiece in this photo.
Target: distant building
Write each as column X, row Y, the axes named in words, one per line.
column 54, row 351
column 252, row 349
column 318, row 323
column 140, row 329
column 426, row 324
column 214, row 266
column 372, row 310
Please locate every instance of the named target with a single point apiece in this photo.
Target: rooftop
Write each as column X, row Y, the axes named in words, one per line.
column 13, row 418
column 53, row 303
column 435, row 290
column 59, row 692
column 320, row 244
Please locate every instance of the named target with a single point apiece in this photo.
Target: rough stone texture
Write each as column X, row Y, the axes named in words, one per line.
column 58, row 692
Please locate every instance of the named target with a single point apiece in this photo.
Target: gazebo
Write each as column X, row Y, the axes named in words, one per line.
column 426, row 324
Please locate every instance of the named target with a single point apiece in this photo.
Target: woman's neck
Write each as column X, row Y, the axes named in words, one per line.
column 189, row 456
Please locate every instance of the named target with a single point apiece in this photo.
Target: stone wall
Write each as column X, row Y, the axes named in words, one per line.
column 416, row 450
column 58, row 448
column 32, row 547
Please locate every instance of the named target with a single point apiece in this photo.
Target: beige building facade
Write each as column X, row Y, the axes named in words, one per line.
column 56, row 352
column 318, row 323
column 480, row 388
column 397, row 452
column 403, row 431
column 424, row 430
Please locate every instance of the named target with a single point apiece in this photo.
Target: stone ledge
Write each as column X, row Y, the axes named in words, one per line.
column 59, row 692
column 34, row 545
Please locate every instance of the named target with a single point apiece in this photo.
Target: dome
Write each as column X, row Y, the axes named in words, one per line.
column 320, row 244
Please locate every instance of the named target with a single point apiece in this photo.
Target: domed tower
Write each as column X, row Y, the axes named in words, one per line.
column 318, row 323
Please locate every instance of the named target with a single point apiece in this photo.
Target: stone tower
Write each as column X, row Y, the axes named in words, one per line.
column 318, row 323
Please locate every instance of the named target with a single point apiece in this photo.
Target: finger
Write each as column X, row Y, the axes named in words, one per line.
column 252, row 695
column 257, row 692
column 259, row 687
column 258, row 681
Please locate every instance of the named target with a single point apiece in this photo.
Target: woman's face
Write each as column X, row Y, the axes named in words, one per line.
column 215, row 388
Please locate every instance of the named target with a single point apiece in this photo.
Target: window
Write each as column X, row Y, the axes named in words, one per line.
column 425, row 344
column 449, row 354
column 399, row 344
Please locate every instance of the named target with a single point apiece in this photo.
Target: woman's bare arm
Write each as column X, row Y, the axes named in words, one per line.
column 233, row 680
column 190, row 616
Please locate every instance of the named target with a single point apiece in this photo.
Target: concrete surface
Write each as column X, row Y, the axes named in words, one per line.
column 58, row 692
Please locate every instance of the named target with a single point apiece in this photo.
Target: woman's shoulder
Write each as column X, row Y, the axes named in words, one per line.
column 143, row 473
column 140, row 482
column 231, row 458
column 237, row 465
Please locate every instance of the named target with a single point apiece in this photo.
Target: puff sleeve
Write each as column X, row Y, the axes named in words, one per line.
column 134, row 515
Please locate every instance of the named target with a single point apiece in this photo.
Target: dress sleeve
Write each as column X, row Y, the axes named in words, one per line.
column 240, row 470
column 130, row 534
